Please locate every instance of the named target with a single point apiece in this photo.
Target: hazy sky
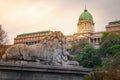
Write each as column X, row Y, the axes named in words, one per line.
column 24, row 16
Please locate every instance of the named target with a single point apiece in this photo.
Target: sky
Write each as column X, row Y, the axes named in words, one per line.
column 25, row 16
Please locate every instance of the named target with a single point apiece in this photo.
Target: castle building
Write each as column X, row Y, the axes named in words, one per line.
column 85, row 23
column 113, row 26
column 85, row 30
column 31, row 38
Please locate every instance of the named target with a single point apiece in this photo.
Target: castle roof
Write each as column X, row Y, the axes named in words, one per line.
column 86, row 16
column 33, row 33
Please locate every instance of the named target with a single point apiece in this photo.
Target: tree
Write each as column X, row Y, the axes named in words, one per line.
column 113, row 50
column 3, row 37
column 110, row 58
column 77, row 47
column 111, row 61
column 88, row 57
column 108, row 40
column 3, row 41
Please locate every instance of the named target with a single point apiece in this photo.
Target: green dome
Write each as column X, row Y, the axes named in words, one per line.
column 86, row 16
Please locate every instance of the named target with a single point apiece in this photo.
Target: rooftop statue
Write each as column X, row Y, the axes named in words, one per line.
column 52, row 50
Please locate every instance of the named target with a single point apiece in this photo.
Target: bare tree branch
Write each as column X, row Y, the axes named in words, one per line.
column 3, row 37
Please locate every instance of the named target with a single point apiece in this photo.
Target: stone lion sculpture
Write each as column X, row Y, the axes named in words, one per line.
column 52, row 50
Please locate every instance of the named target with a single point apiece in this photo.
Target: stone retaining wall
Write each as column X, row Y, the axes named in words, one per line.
column 9, row 71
